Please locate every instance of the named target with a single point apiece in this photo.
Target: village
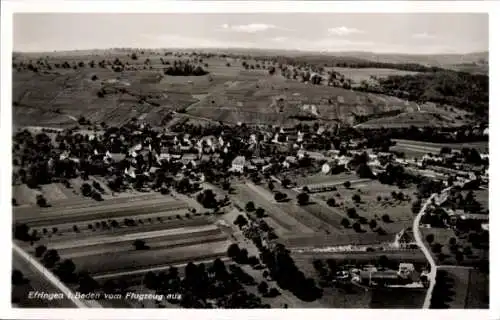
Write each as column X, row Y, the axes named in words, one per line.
column 281, row 189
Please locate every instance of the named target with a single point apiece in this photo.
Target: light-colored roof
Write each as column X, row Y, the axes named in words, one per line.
column 239, row 160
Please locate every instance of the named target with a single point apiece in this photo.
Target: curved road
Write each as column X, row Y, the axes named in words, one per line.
column 439, row 199
column 428, row 255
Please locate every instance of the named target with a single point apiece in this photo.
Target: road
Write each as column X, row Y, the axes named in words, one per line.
column 37, row 282
column 439, row 199
column 57, row 285
column 428, row 255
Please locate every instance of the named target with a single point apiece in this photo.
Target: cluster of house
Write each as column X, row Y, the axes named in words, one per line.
column 369, row 275
column 457, row 218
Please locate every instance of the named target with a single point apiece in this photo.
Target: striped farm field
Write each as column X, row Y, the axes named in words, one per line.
column 145, row 226
column 134, row 259
column 158, row 243
column 105, row 211
column 113, row 239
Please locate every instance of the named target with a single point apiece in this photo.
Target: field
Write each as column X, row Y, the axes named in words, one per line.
column 369, row 206
column 442, row 236
column 279, row 218
column 86, row 232
column 325, row 221
column 420, row 148
column 469, row 288
column 320, row 178
column 229, row 93
column 358, row 75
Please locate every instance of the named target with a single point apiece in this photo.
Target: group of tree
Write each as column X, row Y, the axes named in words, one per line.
column 87, row 191
column 207, row 199
column 202, row 283
column 283, row 270
column 184, row 69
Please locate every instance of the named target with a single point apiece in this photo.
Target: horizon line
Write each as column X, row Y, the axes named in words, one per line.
column 251, row 48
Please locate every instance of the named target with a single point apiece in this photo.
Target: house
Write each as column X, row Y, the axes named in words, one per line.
column 406, row 269
column 258, row 161
column 326, row 168
column 474, row 217
column 404, row 238
column 380, row 277
column 238, row 164
column 291, row 159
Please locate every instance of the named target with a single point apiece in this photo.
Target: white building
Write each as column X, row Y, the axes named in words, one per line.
column 326, row 168
column 238, row 164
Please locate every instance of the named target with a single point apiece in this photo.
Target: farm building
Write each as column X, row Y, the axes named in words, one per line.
column 389, row 277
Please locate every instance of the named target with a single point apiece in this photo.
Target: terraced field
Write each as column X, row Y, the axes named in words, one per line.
column 228, row 93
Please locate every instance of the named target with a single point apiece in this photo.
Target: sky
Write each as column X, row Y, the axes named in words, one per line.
column 416, row 33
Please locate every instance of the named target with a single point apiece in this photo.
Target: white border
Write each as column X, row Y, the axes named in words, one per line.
column 8, row 7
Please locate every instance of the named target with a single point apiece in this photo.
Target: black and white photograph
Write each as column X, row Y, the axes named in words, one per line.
column 248, row 160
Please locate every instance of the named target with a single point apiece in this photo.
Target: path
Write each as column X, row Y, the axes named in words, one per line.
column 152, row 269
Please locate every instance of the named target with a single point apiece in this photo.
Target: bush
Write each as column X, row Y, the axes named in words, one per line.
column 233, row 251
column 240, row 221
column 351, row 213
column 356, row 198
column 279, row 196
column 260, row 213
column 331, row 202
column 250, row 206
column 303, row 199
column 356, row 227
column 41, row 201
column 429, row 238
column 345, row 223
column 40, row 250
column 139, row 244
